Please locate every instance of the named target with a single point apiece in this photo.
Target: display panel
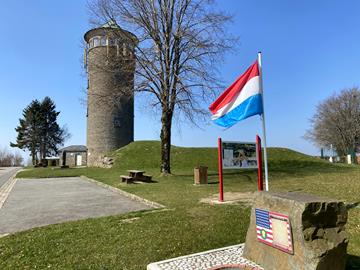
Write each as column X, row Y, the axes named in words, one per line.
column 239, row 155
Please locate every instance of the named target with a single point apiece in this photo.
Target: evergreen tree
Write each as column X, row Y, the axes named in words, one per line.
column 38, row 130
column 28, row 130
column 51, row 134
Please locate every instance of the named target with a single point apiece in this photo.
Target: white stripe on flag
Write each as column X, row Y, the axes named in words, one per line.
column 251, row 88
column 258, row 228
column 268, row 240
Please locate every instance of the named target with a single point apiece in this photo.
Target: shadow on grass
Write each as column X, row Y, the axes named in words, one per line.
column 353, row 262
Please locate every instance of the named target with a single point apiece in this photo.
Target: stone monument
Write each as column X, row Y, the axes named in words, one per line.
column 296, row 231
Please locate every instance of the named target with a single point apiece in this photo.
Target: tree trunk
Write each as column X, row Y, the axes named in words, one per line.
column 33, row 156
column 33, row 159
column 165, row 136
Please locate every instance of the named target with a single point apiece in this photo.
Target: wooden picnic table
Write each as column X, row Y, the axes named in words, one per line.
column 136, row 175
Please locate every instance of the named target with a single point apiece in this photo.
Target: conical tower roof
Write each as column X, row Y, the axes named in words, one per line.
column 110, row 26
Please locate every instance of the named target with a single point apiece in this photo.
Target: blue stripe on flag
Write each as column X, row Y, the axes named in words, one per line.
column 262, row 218
column 263, row 225
column 251, row 106
column 263, row 213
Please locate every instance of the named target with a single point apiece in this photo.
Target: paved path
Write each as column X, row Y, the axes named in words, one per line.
column 38, row 202
column 6, row 173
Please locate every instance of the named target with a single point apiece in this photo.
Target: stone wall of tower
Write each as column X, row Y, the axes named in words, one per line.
column 110, row 115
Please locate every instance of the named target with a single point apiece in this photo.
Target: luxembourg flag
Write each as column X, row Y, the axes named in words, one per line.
column 241, row 100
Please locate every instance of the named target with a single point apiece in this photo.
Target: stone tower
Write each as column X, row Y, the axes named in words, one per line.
column 110, row 64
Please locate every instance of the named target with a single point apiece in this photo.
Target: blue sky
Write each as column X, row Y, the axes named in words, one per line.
column 310, row 51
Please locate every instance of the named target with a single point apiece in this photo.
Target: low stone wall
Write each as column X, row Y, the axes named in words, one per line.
column 102, row 162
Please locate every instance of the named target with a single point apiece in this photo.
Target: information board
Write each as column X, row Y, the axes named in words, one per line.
column 239, row 155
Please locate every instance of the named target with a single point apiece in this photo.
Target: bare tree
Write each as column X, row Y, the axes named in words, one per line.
column 17, row 159
column 8, row 158
column 180, row 46
column 337, row 122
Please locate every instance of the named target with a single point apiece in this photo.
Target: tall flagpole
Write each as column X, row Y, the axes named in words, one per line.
column 263, row 125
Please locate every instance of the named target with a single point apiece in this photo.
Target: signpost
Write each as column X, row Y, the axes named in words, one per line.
column 259, row 160
column 239, row 155
column 221, row 191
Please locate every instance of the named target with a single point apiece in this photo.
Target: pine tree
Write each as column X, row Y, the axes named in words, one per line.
column 51, row 134
column 38, row 130
column 28, row 130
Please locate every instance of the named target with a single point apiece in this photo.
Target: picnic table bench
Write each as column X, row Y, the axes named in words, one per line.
column 136, row 175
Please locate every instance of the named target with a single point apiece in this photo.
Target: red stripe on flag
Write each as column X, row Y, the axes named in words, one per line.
column 235, row 88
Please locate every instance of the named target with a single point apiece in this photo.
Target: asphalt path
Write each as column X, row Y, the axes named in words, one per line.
column 6, row 173
column 39, row 202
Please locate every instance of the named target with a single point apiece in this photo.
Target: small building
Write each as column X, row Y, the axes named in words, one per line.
column 73, row 155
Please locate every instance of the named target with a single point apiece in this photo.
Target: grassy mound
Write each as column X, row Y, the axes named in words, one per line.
column 146, row 155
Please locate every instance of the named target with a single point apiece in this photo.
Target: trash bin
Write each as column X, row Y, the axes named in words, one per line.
column 200, row 175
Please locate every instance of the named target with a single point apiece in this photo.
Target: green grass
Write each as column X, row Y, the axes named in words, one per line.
column 189, row 226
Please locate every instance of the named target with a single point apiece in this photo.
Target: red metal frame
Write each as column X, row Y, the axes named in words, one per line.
column 259, row 161
column 221, row 186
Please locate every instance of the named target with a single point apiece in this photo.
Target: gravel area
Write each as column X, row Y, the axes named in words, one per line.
column 213, row 259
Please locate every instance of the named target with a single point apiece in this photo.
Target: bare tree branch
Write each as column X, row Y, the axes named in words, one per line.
column 181, row 43
column 337, row 122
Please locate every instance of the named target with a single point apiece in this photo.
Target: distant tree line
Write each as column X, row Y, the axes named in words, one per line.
column 337, row 122
column 38, row 130
column 9, row 159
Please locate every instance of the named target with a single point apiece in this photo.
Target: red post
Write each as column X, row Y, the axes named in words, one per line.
column 259, row 161
column 221, row 190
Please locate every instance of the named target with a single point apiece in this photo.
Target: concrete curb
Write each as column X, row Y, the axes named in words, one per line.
column 124, row 193
column 6, row 188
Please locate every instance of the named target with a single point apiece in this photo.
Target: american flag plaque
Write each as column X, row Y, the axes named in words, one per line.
column 274, row 229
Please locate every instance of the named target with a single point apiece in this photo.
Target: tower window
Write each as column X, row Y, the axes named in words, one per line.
column 117, row 122
column 96, row 42
column 103, row 41
column 111, row 42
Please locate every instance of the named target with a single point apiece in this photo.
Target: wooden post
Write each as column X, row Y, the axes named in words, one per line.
column 259, row 161
column 221, row 186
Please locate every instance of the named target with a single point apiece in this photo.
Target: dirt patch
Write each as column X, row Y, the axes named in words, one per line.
column 231, row 197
